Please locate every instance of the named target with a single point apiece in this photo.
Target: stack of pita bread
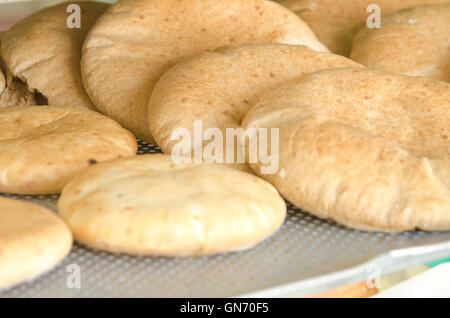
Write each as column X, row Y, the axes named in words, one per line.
column 364, row 140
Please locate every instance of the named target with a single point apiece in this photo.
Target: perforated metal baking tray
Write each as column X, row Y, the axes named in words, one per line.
column 305, row 256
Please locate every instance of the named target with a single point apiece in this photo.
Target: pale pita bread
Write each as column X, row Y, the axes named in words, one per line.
column 336, row 22
column 45, row 53
column 136, row 41
column 218, row 88
column 16, row 92
column 42, row 147
column 33, row 240
column 149, row 205
column 2, row 81
column 368, row 149
column 2, row 75
column 412, row 42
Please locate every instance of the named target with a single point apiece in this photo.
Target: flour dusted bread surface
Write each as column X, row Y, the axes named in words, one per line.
column 371, row 150
column 219, row 87
column 44, row 52
column 42, row 147
column 136, row 41
column 150, row 205
column 335, row 22
column 413, row 42
column 33, row 240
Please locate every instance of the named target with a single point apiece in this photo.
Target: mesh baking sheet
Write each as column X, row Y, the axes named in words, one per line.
column 306, row 255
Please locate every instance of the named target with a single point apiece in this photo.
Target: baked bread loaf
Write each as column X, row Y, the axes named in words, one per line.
column 370, row 151
column 33, row 240
column 16, row 92
column 2, row 82
column 149, row 205
column 45, row 53
column 2, row 75
column 136, row 41
column 412, row 42
column 336, row 22
column 219, row 87
column 42, row 147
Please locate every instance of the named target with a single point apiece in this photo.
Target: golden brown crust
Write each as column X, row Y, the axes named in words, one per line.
column 13, row 92
column 2, row 75
column 33, row 240
column 2, row 81
column 45, row 54
column 136, row 41
column 219, row 87
column 42, row 147
column 411, row 42
column 371, row 151
column 336, row 22
column 149, row 205
column 16, row 93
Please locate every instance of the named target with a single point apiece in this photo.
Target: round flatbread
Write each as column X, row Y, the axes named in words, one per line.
column 412, row 42
column 149, row 205
column 16, row 93
column 336, row 22
column 44, row 51
column 136, row 41
column 2, row 75
column 42, row 147
column 2, row 81
column 218, row 88
column 368, row 149
column 33, row 240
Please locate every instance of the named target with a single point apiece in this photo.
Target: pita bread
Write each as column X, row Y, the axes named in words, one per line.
column 2, row 81
column 33, row 240
column 44, row 52
column 2, row 75
column 219, row 87
column 411, row 42
column 42, row 147
column 136, row 41
column 149, row 205
column 371, row 151
column 336, row 22
column 16, row 93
